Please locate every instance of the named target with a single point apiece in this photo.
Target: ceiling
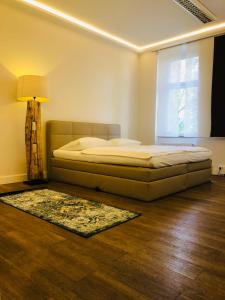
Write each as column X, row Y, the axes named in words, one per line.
column 140, row 22
column 137, row 24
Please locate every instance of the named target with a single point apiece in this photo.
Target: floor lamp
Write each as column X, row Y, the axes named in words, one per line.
column 33, row 90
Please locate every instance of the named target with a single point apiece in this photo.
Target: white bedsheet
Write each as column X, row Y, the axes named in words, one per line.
column 154, row 156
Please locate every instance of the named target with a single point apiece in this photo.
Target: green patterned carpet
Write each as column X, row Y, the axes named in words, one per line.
column 81, row 216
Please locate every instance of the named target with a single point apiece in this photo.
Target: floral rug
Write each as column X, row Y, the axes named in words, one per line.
column 81, row 216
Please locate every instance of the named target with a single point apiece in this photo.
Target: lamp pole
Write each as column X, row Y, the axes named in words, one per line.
column 33, row 141
column 33, row 90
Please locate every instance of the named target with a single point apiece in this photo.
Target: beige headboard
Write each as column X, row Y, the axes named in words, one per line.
column 59, row 133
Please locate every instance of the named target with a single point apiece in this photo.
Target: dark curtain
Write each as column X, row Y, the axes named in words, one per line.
column 218, row 89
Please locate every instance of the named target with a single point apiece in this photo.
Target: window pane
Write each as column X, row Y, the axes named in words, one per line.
column 184, row 70
column 191, row 112
column 183, row 112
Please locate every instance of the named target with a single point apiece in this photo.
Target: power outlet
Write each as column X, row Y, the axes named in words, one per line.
column 221, row 169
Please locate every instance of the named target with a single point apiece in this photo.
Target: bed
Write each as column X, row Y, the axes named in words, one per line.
column 142, row 182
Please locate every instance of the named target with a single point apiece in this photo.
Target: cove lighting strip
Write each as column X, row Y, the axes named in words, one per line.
column 114, row 38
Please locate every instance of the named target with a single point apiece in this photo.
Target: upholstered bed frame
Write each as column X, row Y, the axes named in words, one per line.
column 135, row 182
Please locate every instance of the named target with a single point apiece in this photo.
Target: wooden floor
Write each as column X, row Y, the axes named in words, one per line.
column 175, row 250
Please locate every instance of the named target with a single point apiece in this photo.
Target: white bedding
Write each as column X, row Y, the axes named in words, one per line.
column 154, row 156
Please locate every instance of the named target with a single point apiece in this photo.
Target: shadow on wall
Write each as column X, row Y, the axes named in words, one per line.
column 12, row 118
column 8, row 84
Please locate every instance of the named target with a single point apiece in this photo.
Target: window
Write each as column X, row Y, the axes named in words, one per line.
column 183, row 97
column 183, row 90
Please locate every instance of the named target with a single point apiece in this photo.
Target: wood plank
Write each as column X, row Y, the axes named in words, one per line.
column 175, row 250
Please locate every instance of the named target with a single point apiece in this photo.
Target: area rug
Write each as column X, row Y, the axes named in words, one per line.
column 81, row 216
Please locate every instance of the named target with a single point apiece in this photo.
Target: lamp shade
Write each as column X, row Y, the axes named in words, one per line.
column 32, row 87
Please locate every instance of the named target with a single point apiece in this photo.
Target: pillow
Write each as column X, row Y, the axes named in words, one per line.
column 85, row 143
column 124, row 142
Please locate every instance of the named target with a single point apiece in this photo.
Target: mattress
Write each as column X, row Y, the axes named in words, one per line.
column 147, row 156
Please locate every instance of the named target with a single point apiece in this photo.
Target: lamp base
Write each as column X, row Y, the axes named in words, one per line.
column 36, row 181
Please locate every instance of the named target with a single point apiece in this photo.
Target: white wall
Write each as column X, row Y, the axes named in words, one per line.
column 90, row 79
column 147, row 96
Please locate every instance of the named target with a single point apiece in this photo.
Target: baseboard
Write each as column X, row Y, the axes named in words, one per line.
column 13, row 178
column 16, row 178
